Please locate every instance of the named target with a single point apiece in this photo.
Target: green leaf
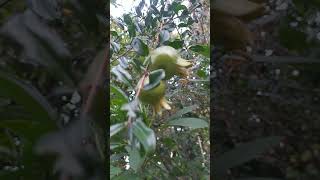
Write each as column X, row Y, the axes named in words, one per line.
column 177, row 6
column 243, row 153
column 115, row 46
column 27, row 96
column 201, row 49
column 155, row 10
column 148, row 20
column 114, row 33
column 164, row 36
column 127, row 175
column 140, row 47
column 40, row 44
column 190, row 21
column 193, row 123
column 177, row 44
column 114, row 171
column 30, row 130
column 183, row 25
column 119, row 94
column 88, row 12
column 127, row 19
column 132, row 30
column 121, row 74
column 135, row 159
column 114, row 129
column 154, row 79
column 182, row 112
column 201, row 73
column 154, row 2
column 145, row 135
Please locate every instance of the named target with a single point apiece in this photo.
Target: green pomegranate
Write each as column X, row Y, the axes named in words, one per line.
column 155, row 97
column 168, row 59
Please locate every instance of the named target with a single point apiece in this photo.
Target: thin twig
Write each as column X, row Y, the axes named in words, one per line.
column 145, row 74
column 94, row 88
column 124, row 53
column 201, row 149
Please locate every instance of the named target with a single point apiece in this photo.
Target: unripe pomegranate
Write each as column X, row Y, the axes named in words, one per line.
column 168, row 59
column 155, row 97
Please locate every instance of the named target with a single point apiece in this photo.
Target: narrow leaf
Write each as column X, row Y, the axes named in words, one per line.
column 145, row 136
column 140, row 47
column 27, row 96
column 193, row 123
column 154, row 79
column 243, row 153
column 114, row 129
column 182, row 112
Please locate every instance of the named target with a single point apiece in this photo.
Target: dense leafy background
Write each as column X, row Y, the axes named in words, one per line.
column 266, row 84
column 48, row 107
column 180, row 136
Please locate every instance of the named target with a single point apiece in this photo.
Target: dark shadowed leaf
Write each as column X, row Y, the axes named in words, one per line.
column 183, row 111
column 258, row 178
column 148, row 20
column 177, row 6
column 28, row 129
column 243, row 153
column 154, row 2
column 76, row 144
column 91, row 75
column 293, row 38
column 201, row 49
column 183, row 25
column 87, row 12
column 140, row 47
column 145, row 135
column 25, row 95
column 127, row 19
column 193, row 123
column 164, row 36
column 155, row 9
column 41, row 45
column 154, row 79
column 46, row 9
column 177, row 44
column 131, row 26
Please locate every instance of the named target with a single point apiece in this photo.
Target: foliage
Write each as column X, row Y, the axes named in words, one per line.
column 232, row 35
column 145, row 145
column 33, row 137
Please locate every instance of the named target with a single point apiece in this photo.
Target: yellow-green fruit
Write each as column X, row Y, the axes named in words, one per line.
column 155, row 97
column 168, row 59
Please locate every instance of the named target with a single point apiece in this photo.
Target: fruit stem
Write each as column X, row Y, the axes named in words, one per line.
column 145, row 74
